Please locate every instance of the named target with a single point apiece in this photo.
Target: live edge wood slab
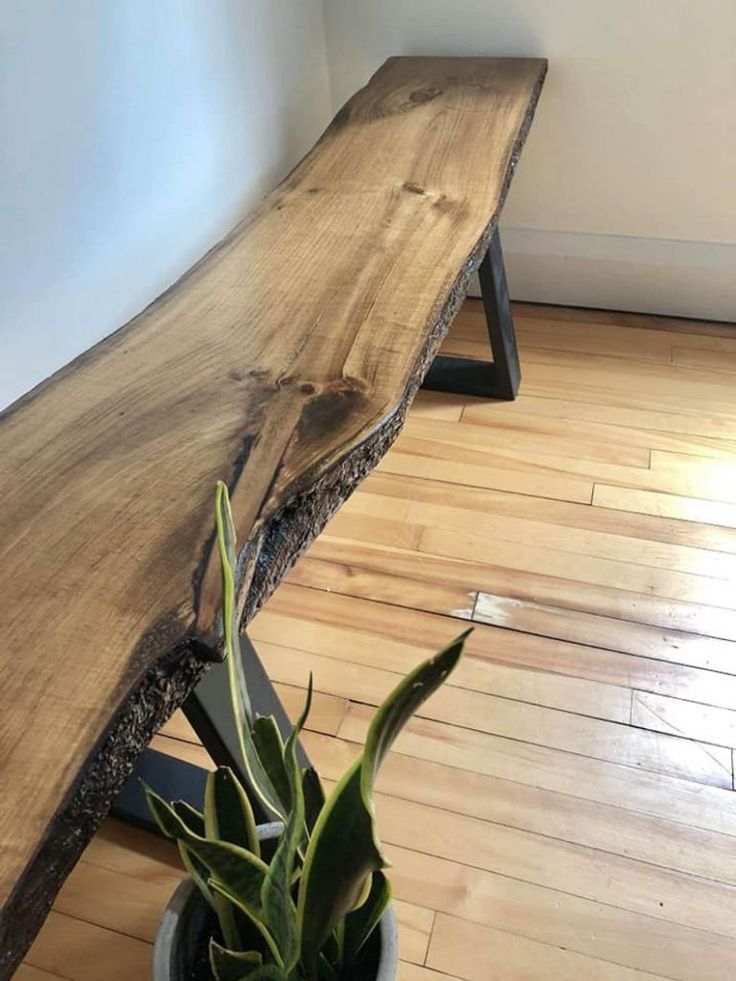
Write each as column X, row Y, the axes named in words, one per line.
column 282, row 363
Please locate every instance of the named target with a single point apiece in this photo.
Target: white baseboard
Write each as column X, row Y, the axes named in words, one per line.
column 618, row 272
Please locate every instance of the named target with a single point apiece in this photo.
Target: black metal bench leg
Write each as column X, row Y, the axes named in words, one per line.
column 466, row 376
column 210, row 714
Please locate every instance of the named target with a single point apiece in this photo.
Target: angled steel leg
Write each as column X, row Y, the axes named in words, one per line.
column 494, row 380
column 210, row 714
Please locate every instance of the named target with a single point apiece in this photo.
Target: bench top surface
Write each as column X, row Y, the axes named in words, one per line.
column 281, row 363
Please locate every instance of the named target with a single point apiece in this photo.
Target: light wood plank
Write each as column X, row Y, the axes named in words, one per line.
column 526, row 687
column 696, row 387
column 483, row 463
column 634, row 886
column 190, row 752
column 532, row 445
column 690, row 508
column 486, row 474
column 633, row 940
column 382, row 587
column 627, row 576
column 521, row 720
column 657, row 839
column 583, row 337
column 476, row 953
column 714, row 472
column 121, row 847
column 563, row 322
column 716, row 359
column 540, row 533
column 703, row 590
column 538, row 347
column 81, row 951
column 692, row 329
column 529, row 858
column 535, row 418
column 415, row 925
column 437, row 405
column 368, row 634
column 568, row 515
column 27, row 973
column 559, row 591
column 684, row 718
column 707, row 426
column 413, row 972
column 613, row 828
column 659, row 795
column 178, row 727
column 116, row 900
column 549, row 378
column 713, row 659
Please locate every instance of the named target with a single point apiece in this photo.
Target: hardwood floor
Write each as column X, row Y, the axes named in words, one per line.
column 564, row 807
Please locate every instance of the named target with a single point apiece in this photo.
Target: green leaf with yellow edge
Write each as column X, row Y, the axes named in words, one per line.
column 361, row 922
column 197, row 871
column 238, row 688
column 237, row 869
column 279, row 912
column 193, row 818
column 344, row 847
column 267, row 972
column 228, row 815
column 270, row 749
column 269, row 944
column 314, row 796
column 232, row 965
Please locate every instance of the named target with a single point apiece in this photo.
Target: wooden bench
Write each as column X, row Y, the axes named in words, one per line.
column 282, row 363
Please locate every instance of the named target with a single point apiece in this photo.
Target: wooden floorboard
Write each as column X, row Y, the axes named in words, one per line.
column 564, row 808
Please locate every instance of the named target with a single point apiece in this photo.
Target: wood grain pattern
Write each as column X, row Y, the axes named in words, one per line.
column 529, row 584
column 289, row 387
column 517, row 850
column 496, row 954
column 658, row 839
column 608, row 782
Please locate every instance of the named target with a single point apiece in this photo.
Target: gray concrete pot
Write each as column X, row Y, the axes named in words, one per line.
column 180, row 948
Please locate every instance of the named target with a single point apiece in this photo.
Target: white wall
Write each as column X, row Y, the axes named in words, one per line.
column 626, row 193
column 134, row 134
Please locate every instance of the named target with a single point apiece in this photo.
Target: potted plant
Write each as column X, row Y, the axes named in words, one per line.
column 304, row 898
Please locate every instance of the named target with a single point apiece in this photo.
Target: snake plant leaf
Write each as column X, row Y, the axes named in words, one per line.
column 237, row 869
column 270, row 749
column 314, row 796
column 276, row 900
column 267, row 972
column 344, row 847
column 237, row 685
column 270, row 946
column 227, row 546
column 197, row 871
column 193, row 818
column 361, row 922
column 228, row 815
column 325, row 970
column 232, row 965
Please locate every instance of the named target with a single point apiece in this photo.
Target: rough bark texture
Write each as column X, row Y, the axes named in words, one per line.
column 289, row 383
column 160, row 694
